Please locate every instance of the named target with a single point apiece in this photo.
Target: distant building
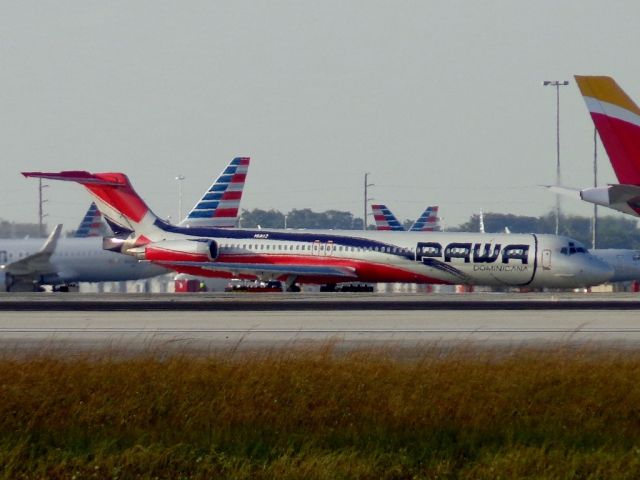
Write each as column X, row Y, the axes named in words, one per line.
column 19, row 230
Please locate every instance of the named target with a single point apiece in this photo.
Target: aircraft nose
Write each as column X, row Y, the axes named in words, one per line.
column 598, row 271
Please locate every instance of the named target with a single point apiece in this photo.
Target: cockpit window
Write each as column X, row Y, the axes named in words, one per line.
column 571, row 249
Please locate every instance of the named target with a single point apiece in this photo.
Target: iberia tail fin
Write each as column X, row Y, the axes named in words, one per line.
column 617, row 119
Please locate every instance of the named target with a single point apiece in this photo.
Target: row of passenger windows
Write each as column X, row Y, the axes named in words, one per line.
column 318, row 247
column 18, row 255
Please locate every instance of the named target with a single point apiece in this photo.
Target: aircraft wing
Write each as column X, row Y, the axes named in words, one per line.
column 39, row 262
column 262, row 268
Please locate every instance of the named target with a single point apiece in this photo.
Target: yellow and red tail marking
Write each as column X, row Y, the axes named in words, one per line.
column 617, row 119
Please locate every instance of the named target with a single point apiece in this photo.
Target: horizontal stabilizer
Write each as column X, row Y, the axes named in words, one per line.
column 566, row 191
column 80, row 176
column 623, row 198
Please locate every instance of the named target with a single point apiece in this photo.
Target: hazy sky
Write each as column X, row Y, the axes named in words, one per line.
column 441, row 102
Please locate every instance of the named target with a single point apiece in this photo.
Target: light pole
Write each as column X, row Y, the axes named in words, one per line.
column 557, row 84
column 41, row 202
column 366, row 199
column 594, row 227
column 179, row 179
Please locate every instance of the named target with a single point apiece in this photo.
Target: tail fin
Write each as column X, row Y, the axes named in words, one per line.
column 219, row 205
column 617, row 119
column 428, row 221
column 116, row 199
column 385, row 220
column 91, row 224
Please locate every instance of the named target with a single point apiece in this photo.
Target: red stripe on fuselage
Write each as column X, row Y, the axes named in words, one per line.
column 366, row 271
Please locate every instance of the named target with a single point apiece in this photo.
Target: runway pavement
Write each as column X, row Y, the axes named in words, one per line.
column 366, row 325
column 316, row 302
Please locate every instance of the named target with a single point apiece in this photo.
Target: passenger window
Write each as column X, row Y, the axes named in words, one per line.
column 563, row 250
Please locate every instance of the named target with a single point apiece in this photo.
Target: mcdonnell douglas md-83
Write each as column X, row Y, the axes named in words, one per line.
column 333, row 256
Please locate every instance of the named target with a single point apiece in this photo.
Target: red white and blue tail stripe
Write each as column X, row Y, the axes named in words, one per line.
column 428, row 221
column 385, row 220
column 91, row 225
column 220, row 204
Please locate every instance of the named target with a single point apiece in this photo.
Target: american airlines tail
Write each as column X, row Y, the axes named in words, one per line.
column 114, row 196
column 219, row 205
column 428, row 221
column 617, row 119
column 91, row 224
column 385, row 220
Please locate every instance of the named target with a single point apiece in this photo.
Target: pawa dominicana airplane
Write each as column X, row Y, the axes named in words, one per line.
column 334, row 256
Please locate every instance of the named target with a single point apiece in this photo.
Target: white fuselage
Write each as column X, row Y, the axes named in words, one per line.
column 625, row 262
column 78, row 260
column 418, row 257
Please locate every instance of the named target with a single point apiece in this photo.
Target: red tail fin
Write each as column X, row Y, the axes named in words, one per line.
column 115, row 197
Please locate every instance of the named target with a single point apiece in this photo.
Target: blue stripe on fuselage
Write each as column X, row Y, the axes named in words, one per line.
column 209, row 232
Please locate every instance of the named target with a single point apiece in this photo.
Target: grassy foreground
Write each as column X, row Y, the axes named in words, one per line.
column 525, row 414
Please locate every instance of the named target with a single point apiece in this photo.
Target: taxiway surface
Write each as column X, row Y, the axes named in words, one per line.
column 366, row 325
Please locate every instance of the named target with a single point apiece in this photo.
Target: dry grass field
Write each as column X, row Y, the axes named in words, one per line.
column 321, row 415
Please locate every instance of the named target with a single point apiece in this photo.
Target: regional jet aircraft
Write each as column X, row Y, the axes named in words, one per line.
column 26, row 264
column 333, row 256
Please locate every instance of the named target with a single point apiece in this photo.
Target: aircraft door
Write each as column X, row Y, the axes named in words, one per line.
column 328, row 251
column 315, row 248
column 3, row 257
column 546, row 259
